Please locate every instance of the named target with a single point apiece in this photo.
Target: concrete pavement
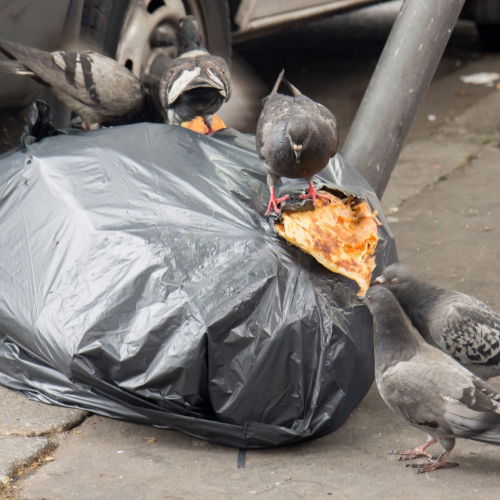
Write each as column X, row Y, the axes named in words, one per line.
column 444, row 205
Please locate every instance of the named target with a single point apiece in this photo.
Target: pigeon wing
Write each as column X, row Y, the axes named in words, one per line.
column 57, row 69
column 186, row 73
column 330, row 122
column 215, row 73
column 434, row 392
column 474, row 416
column 95, row 80
column 469, row 329
column 15, row 68
column 271, row 126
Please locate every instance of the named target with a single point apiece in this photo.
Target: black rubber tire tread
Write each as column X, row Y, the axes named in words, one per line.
column 101, row 24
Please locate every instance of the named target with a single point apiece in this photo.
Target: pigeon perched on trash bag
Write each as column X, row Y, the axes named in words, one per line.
column 460, row 325
column 296, row 137
column 195, row 83
column 97, row 88
column 427, row 387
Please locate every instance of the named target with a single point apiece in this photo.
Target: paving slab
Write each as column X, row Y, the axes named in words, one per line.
column 427, row 159
column 19, row 416
column 16, row 452
column 450, row 233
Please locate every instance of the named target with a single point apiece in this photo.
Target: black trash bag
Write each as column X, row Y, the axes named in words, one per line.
column 140, row 280
column 38, row 124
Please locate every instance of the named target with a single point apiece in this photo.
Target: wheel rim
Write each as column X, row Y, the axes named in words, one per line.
column 149, row 31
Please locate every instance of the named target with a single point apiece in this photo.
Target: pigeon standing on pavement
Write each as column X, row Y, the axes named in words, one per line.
column 427, row 387
column 96, row 87
column 195, row 83
column 296, row 137
column 461, row 325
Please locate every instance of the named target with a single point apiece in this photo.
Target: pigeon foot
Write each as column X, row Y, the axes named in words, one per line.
column 273, row 202
column 416, row 452
column 312, row 194
column 437, row 463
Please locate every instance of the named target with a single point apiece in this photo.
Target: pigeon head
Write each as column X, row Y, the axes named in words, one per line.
column 189, row 37
column 298, row 132
column 396, row 278
column 401, row 282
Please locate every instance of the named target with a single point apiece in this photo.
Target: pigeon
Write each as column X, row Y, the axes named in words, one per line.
column 461, row 325
column 296, row 137
column 428, row 388
column 195, row 83
column 94, row 86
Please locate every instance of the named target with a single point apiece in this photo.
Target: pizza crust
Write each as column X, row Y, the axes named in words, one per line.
column 341, row 234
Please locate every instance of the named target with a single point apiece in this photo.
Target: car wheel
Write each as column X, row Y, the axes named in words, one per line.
column 137, row 32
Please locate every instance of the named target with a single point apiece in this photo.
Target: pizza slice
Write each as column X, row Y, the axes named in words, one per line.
column 340, row 233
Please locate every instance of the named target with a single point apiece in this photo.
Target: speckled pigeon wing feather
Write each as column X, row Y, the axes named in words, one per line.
column 466, row 328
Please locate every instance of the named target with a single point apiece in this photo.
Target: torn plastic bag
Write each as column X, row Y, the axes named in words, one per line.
column 140, row 280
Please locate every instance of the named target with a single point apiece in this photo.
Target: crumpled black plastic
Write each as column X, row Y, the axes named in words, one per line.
column 140, row 280
column 38, row 124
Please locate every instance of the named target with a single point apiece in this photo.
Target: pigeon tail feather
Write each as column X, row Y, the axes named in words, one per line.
column 15, row 68
column 293, row 89
column 491, row 436
column 4, row 49
column 19, row 51
column 277, row 83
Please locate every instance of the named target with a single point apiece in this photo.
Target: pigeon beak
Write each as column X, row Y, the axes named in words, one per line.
column 297, row 149
column 378, row 281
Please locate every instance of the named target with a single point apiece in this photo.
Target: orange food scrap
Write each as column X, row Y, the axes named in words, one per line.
column 198, row 125
column 341, row 234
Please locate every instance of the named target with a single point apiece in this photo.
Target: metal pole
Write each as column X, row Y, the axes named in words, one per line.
column 398, row 85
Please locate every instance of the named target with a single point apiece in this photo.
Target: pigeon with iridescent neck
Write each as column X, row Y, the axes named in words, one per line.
column 296, row 137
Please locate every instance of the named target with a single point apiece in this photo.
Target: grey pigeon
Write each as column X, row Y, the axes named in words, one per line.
column 296, row 137
column 96, row 87
column 195, row 83
column 427, row 387
column 461, row 325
